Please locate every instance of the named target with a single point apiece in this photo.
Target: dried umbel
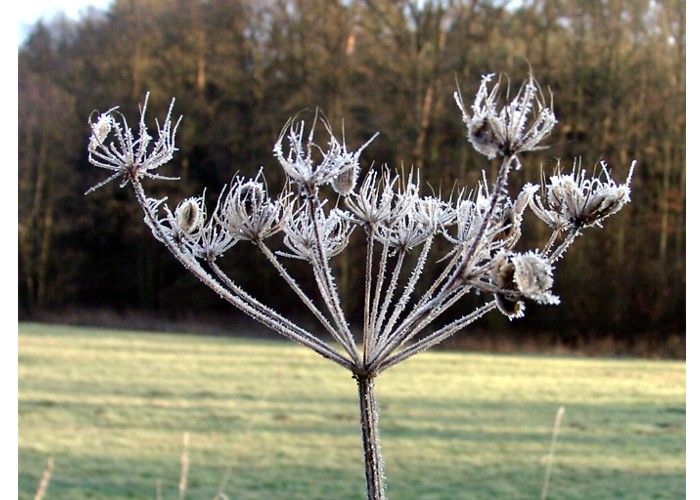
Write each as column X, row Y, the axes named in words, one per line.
column 130, row 157
column 574, row 201
column 327, row 197
column 310, row 166
column 247, row 212
column 520, row 126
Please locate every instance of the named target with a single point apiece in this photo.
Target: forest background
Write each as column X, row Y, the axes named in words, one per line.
column 240, row 68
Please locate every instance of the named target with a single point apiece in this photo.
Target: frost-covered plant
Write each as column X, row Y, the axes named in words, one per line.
column 327, row 199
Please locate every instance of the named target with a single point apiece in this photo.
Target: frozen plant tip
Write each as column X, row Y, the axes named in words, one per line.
column 576, row 202
column 520, row 126
column 128, row 156
column 326, row 197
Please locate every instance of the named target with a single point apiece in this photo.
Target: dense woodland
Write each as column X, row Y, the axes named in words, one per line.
column 240, row 68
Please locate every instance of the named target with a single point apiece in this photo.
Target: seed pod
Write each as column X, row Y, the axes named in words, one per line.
column 100, row 130
column 251, row 196
column 188, row 215
column 503, row 272
column 344, row 182
column 483, row 137
column 511, row 309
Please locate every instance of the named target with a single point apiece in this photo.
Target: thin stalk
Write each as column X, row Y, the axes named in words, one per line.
column 406, row 331
column 331, row 297
column 564, row 246
column 242, row 301
column 348, row 345
column 369, row 419
column 294, row 286
column 435, row 338
column 498, row 189
column 443, row 276
column 272, row 319
column 550, row 455
column 389, row 294
column 381, row 272
column 428, row 307
column 368, row 290
column 411, row 285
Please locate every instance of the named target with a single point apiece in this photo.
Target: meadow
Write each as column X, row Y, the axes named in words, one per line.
column 268, row 419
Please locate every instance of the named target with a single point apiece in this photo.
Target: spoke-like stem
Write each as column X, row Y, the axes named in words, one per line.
column 427, row 314
column 498, row 192
column 381, row 274
column 411, row 285
column 430, row 306
column 454, row 261
column 325, row 280
column 369, row 261
column 389, row 294
column 564, row 246
column 244, row 302
column 296, row 288
column 435, row 338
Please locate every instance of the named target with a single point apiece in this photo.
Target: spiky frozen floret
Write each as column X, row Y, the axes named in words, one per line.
column 575, row 202
column 301, row 236
column 183, row 227
column 520, row 126
column 336, row 165
column 247, row 212
column 130, row 157
column 377, row 200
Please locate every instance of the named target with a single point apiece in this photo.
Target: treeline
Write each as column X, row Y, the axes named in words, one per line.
column 240, row 68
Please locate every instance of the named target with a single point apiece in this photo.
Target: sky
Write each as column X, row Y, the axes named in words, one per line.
column 30, row 11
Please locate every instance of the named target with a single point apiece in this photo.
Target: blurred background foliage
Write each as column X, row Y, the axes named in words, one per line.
column 240, row 68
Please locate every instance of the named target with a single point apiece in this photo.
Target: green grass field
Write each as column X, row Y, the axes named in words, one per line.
column 269, row 420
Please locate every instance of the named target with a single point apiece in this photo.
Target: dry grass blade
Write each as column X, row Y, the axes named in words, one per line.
column 45, row 478
column 185, row 466
column 550, row 456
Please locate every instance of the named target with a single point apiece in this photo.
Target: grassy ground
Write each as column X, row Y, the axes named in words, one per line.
column 271, row 420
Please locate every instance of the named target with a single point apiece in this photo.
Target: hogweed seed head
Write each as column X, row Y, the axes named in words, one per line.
column 533, row 277
column 100, row 130
column 130, row 157
column 310, row 166
column 247, row 212
column 300, row 233
column 520, row 126
column 522, row 276
column 574, row 201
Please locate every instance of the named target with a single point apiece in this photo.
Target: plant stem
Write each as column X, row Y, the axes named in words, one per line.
column 369, row 416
